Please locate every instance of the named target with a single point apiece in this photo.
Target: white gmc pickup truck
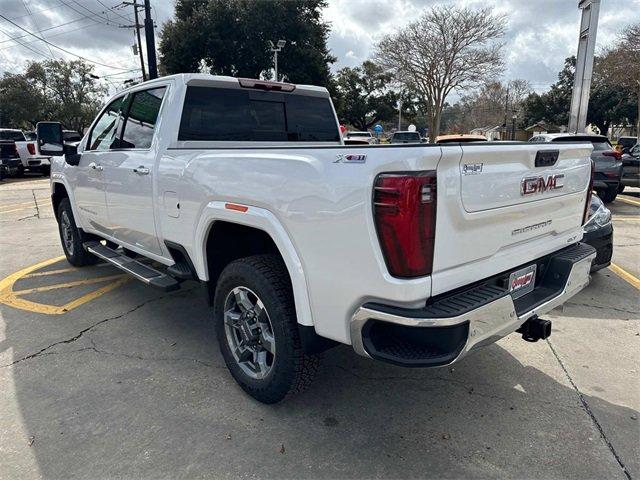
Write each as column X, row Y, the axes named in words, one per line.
column 413, row 254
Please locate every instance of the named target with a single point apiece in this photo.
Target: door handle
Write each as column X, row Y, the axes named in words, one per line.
column 141, row 170
column 94, row 166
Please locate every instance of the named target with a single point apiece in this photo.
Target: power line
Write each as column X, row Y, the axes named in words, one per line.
column 50, row 36
column 38, row 52
column 33, row 19
column 93, row 15
column 60, row 48
column 53, row 28
column 38, row 10
column 114, row 11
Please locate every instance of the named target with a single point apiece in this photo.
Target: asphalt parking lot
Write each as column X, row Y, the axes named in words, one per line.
column 103, row 377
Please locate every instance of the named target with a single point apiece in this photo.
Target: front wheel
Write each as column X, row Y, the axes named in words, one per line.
column 257, row 330
column 72, row 238
column 610, row 194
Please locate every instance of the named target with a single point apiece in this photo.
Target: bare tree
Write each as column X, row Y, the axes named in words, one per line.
column 620, row 65
column 446, row 49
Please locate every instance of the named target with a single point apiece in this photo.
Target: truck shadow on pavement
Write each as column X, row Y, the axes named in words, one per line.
column 143, row 392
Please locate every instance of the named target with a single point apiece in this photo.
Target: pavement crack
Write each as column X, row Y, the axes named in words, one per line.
column 101, row 351
column 44, row 351
column 586, row 407
column 35, row 200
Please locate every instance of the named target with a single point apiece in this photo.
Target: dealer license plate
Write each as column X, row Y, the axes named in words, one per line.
column 522, row 281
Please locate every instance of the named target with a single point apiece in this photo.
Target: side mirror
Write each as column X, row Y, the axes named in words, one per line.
column 49, row 139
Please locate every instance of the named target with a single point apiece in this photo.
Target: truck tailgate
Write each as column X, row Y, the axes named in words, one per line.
column 498, row 210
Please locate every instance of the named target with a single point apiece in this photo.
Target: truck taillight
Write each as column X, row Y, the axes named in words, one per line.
column 32, row 148
column 14, row 151
column 587, row 206
column 404, row 206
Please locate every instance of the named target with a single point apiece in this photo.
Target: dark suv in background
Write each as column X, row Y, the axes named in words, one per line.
column 607, row 161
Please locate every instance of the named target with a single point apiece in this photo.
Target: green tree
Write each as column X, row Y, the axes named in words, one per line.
column 621, row 68
column 22, row 104
column 51, row 90
column 362, row 96
column 231, row 37
column 609, row 102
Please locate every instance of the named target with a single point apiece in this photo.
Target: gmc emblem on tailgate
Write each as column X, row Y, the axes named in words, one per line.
column 531, row 185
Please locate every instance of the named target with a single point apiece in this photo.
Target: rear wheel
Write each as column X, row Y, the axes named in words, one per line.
column 620, row 188
column 257, row 329
column 72, row 237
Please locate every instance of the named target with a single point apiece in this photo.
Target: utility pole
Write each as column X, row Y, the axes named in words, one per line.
column 137, row 26
column 506, row 106
column 584, row 65
column 151, row 42
column 399, row 114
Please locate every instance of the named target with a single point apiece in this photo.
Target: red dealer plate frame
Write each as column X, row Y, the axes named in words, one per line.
column 522, row 281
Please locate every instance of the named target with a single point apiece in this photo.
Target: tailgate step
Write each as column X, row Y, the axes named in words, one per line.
column 142, row 272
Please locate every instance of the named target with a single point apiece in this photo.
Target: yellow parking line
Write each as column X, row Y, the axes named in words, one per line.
column 18, row 209
column 75, row 283
column 627, row 218
column 628, row 200
column 96, row 293
column 50, row 272
column 11, row 298
column 11, row 205
column 626, row 276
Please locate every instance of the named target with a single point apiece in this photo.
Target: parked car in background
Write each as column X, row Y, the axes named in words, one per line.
column 460, row 138
column 29, row 159
column 598, row 232
column 366, row 136
column 626, row 143
column 12, row 141
column 607, row 161
column 406, row 137
column 631, row 168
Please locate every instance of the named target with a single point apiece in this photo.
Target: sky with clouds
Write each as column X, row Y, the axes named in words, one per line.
column 540, row 33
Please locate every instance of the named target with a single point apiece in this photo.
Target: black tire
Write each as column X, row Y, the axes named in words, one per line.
column 72, row 237
column 46, row 171
column 609, row 195
column 620, row 188
column 19, row 172
column 292, row 370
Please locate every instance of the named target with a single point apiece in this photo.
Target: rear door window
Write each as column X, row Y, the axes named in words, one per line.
column 225, row 114
column 141, row 118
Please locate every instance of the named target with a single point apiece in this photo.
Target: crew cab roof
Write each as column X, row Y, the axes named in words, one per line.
column 222, row 81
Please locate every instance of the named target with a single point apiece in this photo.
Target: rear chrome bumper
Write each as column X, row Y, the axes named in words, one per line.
column 456, row 335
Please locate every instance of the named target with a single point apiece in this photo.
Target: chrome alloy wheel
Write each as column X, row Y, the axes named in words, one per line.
column 67, row 232
column 249, row 332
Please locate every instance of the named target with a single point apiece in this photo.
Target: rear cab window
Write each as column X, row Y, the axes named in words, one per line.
column 12, row 136
column 411, row 136
column 242, row 115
